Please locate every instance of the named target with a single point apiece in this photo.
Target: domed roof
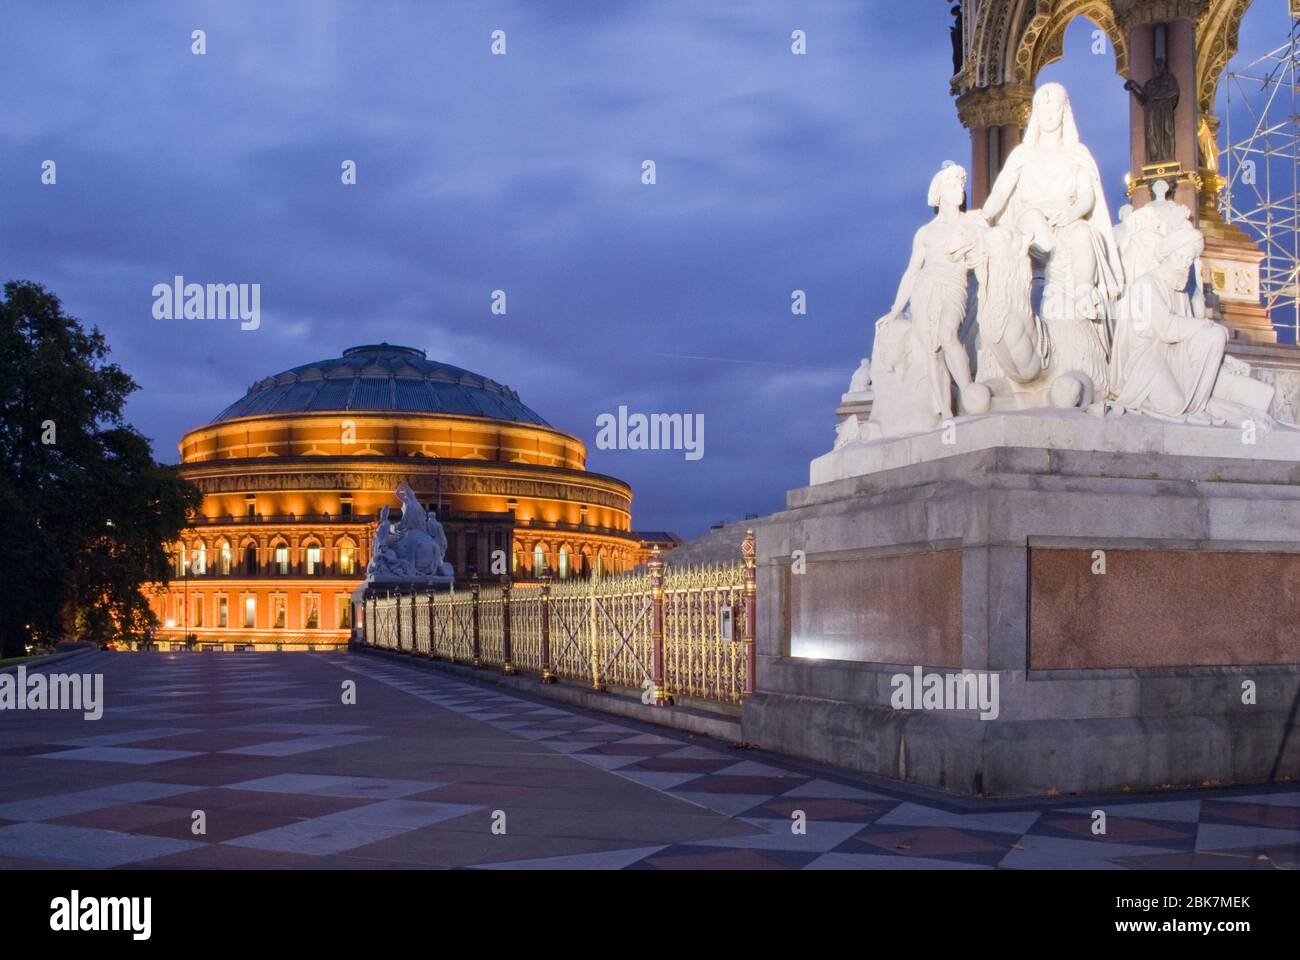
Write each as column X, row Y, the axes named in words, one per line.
column 380, row 378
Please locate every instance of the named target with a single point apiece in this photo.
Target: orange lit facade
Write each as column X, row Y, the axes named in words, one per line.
column 292, row 490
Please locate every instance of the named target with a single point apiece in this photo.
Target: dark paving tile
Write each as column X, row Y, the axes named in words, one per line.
column 1252, row 814
column 724, row 783
column 1198, row 860
column 216, row 856
column 816, row 808
column 460, row 848
column 221, row 825
column 931, row 843
column 678, row 764
column 1119, row 830
column 641, row 828
column 695, row 858
column 124, row 817
column 34, row 749
column 624, row 749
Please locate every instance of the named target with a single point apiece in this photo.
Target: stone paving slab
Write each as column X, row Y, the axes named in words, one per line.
column 427, row 770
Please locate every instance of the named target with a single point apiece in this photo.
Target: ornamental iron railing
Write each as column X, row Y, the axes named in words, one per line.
column 668, row 631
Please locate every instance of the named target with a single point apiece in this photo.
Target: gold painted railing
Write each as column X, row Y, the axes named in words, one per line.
column 668, row 631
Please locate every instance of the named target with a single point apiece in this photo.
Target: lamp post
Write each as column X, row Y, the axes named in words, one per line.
column 185, row 607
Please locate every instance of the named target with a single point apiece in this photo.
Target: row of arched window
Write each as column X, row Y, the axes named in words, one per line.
column 565, row 562
column 195, row 560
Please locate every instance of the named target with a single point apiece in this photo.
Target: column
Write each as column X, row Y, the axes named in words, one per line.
column 996, row 117
column 1141, row 21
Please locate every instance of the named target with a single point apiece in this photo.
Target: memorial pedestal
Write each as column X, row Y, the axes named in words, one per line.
column 1137, row 605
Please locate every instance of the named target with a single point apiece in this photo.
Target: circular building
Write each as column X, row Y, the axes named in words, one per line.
column 294, row 474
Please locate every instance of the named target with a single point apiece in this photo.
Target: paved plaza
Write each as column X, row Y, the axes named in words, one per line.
column 423, row 767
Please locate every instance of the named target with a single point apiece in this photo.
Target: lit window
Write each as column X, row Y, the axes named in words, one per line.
column 313, row 613
column 278, row 606
column 313, row 560
column 180, row 560
column 347, row 559
column 201, row 559
column 539, row 561
column 344, row 611
column 250, row 612
column 564, row 563
column 225, row 559
column 198, row 610
column 282, row 560
column 223, row 611
column 600, row 564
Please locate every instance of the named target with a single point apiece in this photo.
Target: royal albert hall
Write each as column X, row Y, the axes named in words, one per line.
column 294, row 474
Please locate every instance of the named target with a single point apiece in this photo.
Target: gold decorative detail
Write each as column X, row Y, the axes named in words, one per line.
column 1170, row 171
column 995, row 106
column 1216, row 44
column 1136, row 13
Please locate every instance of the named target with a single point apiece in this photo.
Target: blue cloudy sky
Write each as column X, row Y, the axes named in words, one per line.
column 521, row 173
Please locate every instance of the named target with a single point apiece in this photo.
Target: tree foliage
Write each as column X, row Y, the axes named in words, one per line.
column 85, row 510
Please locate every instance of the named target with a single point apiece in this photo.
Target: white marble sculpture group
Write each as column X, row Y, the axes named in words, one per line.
column 412, row 550
column 1057, row 307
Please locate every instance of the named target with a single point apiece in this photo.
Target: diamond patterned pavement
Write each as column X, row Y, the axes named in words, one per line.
column 425, row 770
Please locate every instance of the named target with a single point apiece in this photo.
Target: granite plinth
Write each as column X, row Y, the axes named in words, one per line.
column 1138, row 609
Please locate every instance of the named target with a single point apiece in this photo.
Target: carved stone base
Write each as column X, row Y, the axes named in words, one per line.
column 1131, row 606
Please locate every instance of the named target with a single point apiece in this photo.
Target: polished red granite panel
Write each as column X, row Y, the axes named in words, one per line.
column 901, row 609
column 1161, row 608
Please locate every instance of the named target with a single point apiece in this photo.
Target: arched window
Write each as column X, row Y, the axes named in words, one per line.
column 600, row 564
column 282, row 560
column 250, row 559
column 313, row 559
column 225, row 559
column 539, row 561
column 200, row 566
column 347, row 559
column 564, row 563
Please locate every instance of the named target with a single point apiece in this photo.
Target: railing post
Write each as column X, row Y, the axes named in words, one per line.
column 748, row 551
column 656, row 565
column 507, row 666
column 397, row 611
column 415, row 630
column 433, row 653
column 475, row 659
column 593, row 634
column 547, row 676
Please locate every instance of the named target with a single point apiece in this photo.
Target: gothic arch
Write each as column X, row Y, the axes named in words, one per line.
column 1043, row 41
column 1216, row 44
column 1013, row 40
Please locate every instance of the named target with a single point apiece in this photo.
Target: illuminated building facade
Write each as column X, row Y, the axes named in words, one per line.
column 294, row 474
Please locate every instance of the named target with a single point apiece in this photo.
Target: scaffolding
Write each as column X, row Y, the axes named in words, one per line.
column 1261, row 194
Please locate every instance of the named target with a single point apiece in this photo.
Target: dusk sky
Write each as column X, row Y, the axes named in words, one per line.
column 522, row 173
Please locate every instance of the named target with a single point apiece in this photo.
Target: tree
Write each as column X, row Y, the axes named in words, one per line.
column 85, row 511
